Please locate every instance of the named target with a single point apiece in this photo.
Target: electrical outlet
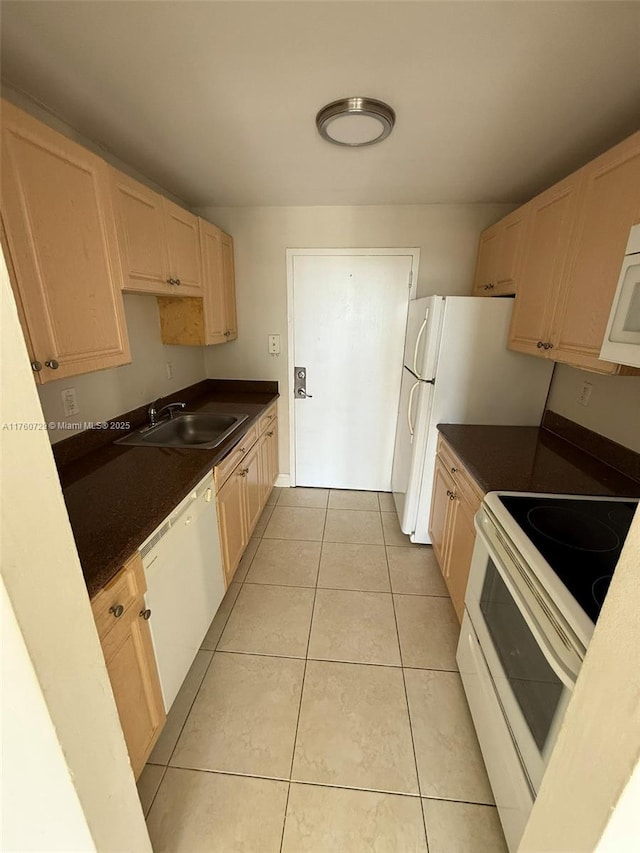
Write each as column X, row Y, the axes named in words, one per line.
column 69, row 402
column 169, row 367
column 274, row 344
column 585, row 393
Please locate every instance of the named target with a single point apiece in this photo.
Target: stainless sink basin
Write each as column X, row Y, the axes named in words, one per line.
column 188, row 429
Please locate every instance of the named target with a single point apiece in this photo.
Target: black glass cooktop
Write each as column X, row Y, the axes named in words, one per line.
column 580, row 539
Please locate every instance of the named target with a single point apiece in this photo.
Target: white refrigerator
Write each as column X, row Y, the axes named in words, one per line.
column 457, row 369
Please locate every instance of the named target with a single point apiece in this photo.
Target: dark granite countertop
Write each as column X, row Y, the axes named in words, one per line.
column 116, row 495
column 533, row 459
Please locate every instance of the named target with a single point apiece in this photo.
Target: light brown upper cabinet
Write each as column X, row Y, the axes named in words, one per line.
column 212, row 319
column 159, row 241
column 498, row 256
column 609, row 206
column 60, row 238
column 573, row 247
column 549, row 220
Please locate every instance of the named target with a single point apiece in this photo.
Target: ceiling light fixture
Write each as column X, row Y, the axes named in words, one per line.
column 355, row 121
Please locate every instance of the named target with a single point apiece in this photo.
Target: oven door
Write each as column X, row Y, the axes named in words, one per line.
column 529, row 650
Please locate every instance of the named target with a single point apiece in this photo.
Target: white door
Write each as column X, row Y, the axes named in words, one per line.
column 348, row 316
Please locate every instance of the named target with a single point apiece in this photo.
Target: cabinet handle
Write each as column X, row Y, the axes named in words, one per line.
column 177, row 281
column 37, row 366
column 269, row 434
column 243, row 472
column 452, row 495
column 145, row 614
column 52, row 363
column 548, row 346
column 117, row 610
column 454, row 470
column 227, row 334
column 242, row 450
column 540, row 345
column 488, row 286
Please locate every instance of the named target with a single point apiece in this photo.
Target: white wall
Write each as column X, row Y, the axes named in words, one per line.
column 598, row 745
column 107, row 393
column 614, row 406
column 43, row 579
column 40, row 806
column 447, row 236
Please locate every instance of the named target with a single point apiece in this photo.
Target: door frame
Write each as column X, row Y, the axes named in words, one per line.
column 414, row 253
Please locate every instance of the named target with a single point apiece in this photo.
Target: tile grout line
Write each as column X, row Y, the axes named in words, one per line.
column 165, row 767
column 406, row 699
column 304, row 675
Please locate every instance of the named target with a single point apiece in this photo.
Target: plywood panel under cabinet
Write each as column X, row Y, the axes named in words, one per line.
column 182, row 320
column 609, row 207
column 545, row 251
column 60, row 232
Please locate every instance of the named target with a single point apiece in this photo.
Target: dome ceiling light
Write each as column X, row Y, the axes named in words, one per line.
column 355, row 122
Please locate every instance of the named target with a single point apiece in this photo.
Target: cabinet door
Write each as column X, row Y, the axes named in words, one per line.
column 545, row 250
column 461, row 539
column 269, row 459
column 229, row 287
column 183, row 243
column 443, row 487
column 232, row 522
column 512, row 229
column 254, row 486
column 213, row 284
column 60, row 232
column 484, row 279
column 610, row 205
column 141, row 237
column 131, row 665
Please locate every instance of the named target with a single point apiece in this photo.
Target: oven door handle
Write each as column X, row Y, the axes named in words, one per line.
column 562, row 668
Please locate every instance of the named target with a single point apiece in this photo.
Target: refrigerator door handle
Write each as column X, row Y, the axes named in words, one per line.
column 417, row 346
column 411, row 393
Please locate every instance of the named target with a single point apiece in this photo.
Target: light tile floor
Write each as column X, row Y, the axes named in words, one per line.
column 324, row 711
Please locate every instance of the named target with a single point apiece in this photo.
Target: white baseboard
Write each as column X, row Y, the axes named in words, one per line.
column 283, row 481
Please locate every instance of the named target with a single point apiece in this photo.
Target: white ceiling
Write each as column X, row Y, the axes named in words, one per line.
column 216, row 100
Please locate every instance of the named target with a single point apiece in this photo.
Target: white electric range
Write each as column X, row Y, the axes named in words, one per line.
column 540, row 571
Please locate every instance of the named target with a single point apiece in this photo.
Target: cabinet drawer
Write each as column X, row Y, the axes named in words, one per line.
column 267, row 419
column 222, row 471
column 127, row 586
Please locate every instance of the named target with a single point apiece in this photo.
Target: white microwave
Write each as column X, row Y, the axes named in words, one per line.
column 621, row 342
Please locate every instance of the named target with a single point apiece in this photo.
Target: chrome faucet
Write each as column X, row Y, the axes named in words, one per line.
column 155, row 413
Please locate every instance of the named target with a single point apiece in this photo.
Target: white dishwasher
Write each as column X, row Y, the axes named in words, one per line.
column 185, row 584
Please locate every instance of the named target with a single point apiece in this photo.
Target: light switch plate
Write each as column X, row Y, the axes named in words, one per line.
column 274, row 344
column 585, row 393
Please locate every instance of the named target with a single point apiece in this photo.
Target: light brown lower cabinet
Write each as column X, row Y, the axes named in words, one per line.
column 456, row 499
column 243, row 490
column 121, row 618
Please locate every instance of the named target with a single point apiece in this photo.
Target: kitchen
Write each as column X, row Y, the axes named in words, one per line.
column 447, row 236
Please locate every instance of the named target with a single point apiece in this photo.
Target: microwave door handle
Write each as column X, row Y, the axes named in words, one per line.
column 417, row 346
column 411, row 393
column 565, row 673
